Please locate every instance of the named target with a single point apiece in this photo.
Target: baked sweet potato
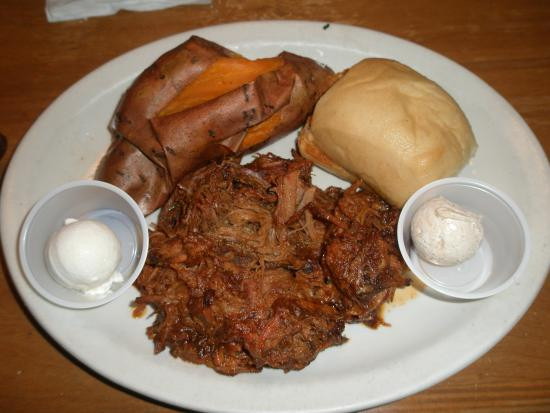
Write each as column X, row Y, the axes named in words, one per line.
column 199, row 102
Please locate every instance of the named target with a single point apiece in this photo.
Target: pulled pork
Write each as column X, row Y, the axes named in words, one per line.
column 253, row 266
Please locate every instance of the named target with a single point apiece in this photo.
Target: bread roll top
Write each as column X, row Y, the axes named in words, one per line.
column 394, row 128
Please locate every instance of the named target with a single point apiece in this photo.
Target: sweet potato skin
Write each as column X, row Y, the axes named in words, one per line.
column 159, row 84
column 311, row 80
column 287, row 95
column 178, row 143
column 129, row 169
column 188, row 136
column 136, row 162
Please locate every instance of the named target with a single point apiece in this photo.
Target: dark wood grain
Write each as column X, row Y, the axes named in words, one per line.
column 506, row 43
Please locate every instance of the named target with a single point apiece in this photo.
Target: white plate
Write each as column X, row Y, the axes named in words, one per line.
column 429, row 339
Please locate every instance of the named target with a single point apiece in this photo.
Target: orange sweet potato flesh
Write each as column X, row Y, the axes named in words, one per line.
column 259, row 133
column 199, row 102
column 222, row 76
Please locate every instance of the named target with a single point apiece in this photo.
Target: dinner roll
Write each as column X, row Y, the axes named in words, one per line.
column 390, row 126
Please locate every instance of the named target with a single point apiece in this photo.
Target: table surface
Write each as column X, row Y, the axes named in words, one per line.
column 506, row 43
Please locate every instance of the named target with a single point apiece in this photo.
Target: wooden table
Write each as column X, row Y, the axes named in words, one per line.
column 506, row 43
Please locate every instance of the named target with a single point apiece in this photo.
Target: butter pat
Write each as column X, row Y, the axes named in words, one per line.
column 84, row 256
column 444, row 233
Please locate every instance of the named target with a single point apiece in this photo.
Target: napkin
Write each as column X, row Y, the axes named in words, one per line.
column 60, row 10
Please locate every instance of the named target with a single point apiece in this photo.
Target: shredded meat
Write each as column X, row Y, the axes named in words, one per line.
column 253, row 266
